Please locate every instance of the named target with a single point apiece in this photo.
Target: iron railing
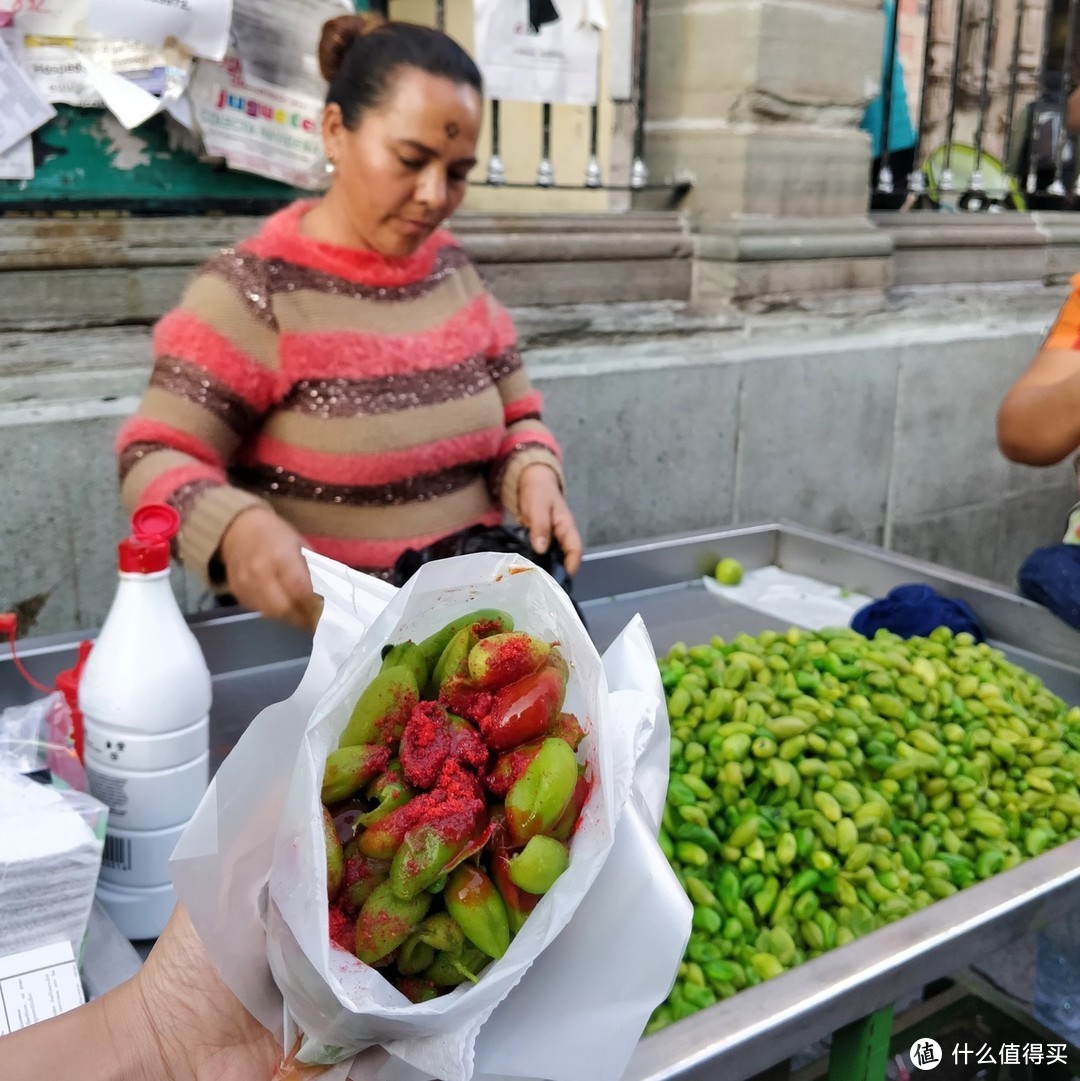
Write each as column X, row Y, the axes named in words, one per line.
column 623, row 169
column 990, row 81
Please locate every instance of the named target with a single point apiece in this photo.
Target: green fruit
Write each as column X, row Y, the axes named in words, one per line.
column 729, row 572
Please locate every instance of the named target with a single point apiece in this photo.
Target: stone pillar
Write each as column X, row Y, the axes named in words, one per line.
column 757, row 103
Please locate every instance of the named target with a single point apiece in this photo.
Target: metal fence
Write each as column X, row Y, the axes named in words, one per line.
column 973, row 114
column 603, row 153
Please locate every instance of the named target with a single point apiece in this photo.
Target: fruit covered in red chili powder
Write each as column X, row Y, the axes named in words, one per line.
column 486, row 711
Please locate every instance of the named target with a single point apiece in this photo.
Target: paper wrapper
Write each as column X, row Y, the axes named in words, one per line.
column 598, row 953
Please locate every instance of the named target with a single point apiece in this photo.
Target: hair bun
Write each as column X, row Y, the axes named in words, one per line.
column 338, row 36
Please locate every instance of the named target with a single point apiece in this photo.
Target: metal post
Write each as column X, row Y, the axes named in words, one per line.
column 947, row 183
column 1048, row 25
column 639, row 174
column 1058, row 187
column 1014, row 72
column 885, row 173
column 976, row 184
column 917, row 181
column 496, row 171
column 545, row 171
column 593, row 176
column 860, row 1051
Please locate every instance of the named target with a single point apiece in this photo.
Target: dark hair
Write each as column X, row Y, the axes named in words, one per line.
column 359, row 54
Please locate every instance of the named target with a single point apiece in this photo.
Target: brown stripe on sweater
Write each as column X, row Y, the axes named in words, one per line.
column 247, row 275
column 388, row 431
column 505, row 364
column 217, row 303
column 308, row 308
column 269, row 481
column 188, row 381
column 272, row 277
column 444, row 515
column 389, row 393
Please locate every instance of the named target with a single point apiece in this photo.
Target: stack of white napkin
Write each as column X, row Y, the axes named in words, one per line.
column 49, row 863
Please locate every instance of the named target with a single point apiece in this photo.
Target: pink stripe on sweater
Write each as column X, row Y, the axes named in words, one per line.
column 384, row 468
column 138, row 430
column 527, row 404
column 543, row 439
column 182, row 334
column 163, row 487
column 383, row 553
column 352, row 354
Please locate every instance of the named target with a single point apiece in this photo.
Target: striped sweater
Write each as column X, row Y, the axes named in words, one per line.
column 375, row 403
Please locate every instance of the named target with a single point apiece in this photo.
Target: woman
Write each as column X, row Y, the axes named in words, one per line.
column 343, row 380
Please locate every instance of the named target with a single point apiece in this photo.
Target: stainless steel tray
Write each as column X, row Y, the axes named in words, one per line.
column 255, row 662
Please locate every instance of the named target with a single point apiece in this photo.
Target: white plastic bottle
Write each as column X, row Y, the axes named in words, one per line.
column 145, row 699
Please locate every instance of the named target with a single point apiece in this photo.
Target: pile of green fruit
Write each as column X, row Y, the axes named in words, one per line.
column 824, row 784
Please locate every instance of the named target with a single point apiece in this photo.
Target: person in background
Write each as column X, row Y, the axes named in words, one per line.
column 899, row 154
column 343, row 380
column 175, row 1019
column 1038, row 421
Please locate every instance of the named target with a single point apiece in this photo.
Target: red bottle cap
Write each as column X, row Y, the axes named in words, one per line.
column 146, row 551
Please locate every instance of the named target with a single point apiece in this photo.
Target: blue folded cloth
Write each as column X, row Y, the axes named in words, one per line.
column 1051, row 577
column 914, row 611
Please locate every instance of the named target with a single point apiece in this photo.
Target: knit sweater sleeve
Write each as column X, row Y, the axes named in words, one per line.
column 214, row 378
column 527, row 440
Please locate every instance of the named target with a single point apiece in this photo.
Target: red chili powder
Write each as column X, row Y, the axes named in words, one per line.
column 342, row 930
column 425, row 744
column 510, row 660
column 467, row 747
column 461, row 697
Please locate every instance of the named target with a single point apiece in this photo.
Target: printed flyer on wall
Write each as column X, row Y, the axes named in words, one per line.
column 257, row 127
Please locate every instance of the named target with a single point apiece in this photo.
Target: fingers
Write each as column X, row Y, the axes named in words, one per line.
column 567, row 534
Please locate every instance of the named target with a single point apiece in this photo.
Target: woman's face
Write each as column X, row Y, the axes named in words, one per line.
column 404, row 169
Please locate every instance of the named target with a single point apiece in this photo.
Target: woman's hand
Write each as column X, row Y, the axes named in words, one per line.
column 265, row 570
column 175, row 1018
column 199, row 1027
column 543, row 511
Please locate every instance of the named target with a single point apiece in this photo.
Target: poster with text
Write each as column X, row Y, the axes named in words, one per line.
column 257, row 127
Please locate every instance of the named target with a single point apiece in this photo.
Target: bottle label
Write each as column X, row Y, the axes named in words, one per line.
column 110, row 789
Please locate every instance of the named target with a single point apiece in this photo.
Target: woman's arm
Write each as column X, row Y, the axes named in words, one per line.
column 527, row 472
column 214, row 380
column 1038, row 422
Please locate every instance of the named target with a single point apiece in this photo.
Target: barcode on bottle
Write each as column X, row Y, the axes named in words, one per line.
column 117, row 854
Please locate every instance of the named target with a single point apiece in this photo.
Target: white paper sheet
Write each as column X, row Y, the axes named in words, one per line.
column 25, row 108
column 224, row 858
column 554, row 59
column 201, row 25
column 807, row 602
